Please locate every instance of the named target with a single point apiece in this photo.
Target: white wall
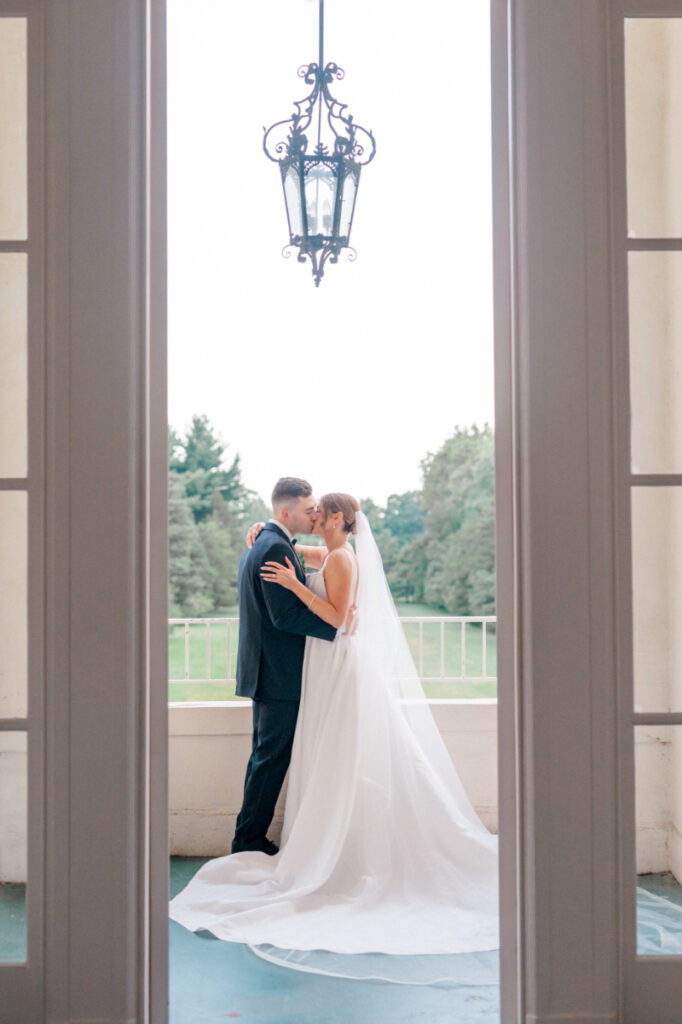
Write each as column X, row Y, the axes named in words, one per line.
column 209, row 749
column 654, row 753
column 210, row 745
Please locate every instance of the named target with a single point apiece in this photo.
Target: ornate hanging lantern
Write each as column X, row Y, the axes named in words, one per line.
column 320, row 183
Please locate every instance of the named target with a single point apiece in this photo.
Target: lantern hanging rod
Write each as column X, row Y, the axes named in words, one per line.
column 321, row 68
column 321, row 33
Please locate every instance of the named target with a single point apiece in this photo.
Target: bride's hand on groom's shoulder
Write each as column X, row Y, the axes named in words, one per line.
column 252, row 533
column 275, row 572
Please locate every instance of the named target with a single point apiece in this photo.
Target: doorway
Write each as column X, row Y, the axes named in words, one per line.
column 413, row 315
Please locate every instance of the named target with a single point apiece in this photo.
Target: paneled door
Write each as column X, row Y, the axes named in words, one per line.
column 646, row 38
column 21, row 488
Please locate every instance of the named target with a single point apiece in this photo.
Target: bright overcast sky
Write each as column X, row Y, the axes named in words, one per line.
column 352, row 383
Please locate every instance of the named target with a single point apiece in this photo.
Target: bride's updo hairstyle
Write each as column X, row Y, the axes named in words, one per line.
column 330, row 504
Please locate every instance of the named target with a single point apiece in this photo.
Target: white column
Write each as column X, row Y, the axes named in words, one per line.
column 563, row 415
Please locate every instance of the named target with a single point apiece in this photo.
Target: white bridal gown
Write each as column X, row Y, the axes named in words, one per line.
column 381, row 851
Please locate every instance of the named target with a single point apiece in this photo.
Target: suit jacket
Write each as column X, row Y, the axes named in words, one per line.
column 273, row 623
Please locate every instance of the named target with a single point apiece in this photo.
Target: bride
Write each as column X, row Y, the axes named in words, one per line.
column 381, row 850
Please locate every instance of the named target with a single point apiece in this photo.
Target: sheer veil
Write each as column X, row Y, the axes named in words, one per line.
column 385, row 653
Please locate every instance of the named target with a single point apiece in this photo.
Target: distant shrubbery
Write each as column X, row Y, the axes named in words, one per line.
column 437, row 544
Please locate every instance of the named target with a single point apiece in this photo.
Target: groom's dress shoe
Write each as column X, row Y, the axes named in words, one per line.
column 265, row 846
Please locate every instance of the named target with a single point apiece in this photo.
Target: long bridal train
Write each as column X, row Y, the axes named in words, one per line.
column 385, row 870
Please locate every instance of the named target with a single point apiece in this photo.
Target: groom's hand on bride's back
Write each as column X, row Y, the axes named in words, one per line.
column 252, row 533
column 351, row 622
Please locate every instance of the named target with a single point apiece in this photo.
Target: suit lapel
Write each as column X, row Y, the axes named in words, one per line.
column 294, row 556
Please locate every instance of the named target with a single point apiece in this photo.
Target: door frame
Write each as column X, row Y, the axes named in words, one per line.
column 556, row 500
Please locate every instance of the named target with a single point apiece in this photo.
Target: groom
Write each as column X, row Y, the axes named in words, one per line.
column 273, row 625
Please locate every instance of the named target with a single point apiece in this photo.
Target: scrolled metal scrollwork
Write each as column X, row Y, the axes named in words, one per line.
column 320, row 151
column 349, row 139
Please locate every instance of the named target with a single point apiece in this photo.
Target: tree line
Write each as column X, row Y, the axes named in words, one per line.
column 209, row 512
column 437, row 543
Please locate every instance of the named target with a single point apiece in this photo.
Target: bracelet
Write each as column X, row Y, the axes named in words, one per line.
column 312, row 602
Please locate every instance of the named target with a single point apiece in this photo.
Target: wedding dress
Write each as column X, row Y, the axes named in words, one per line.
column 384, row 868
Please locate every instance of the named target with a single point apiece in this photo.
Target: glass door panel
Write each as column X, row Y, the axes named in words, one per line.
column 13, row 129
column 658, row 790
column 657, row 598
column 653, row 109
column 20, row 304
column 655, row 310
column 13, row 846
column 13, row 364
column 651, row 228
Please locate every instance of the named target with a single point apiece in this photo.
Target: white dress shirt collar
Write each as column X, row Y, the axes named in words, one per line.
column 282, row 528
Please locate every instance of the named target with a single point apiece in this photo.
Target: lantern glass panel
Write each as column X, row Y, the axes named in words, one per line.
column 292, row 198
column 348, row 194
column 321, row 182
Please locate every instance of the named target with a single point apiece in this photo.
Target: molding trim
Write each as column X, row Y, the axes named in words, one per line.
column 98, row 534
column 94, row 1020
column 572, row 1018
column 563, row 393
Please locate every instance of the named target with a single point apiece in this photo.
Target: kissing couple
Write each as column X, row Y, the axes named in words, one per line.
column 381, row 851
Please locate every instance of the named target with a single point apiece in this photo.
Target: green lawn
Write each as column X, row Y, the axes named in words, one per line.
column 201, row 666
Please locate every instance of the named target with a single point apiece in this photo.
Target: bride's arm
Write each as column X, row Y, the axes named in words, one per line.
column 313, row 554
column 337, row 578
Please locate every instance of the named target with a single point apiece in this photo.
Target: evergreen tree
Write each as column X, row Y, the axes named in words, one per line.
column 222, row 557
column 189, row 570
column 210, row 511
column 199, row 457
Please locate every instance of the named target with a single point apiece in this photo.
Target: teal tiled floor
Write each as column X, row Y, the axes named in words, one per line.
column 213, row 982
column 12, row 923
column 662, row 885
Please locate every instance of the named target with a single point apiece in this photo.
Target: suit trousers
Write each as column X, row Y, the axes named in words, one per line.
column 274, row 725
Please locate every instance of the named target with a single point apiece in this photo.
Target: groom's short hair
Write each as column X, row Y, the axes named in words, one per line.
column 289, row 488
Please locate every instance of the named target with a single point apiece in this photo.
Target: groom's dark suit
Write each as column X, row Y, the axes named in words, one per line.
column 273, row 625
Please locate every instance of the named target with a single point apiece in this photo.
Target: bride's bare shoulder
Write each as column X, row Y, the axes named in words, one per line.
column 339, row 560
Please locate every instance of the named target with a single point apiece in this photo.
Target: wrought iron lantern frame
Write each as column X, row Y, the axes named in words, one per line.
column 337, row 161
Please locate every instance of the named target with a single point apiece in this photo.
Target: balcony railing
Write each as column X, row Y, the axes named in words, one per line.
column 456, row 656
